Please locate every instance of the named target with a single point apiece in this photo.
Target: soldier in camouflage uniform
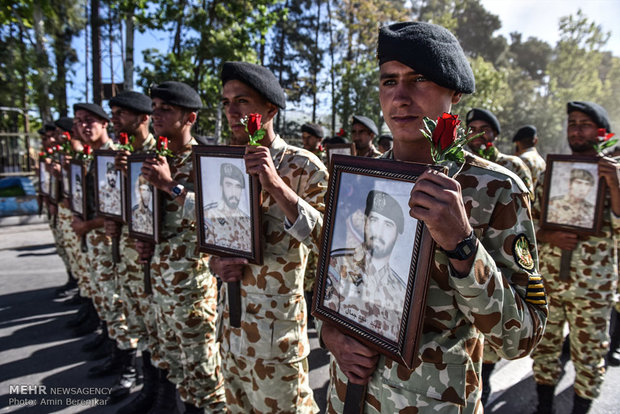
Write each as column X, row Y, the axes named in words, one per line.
column 573, row 208
column 225, row 223
column 482, row 120
column 361, row 284
column 184, row 291
column 363, row 131
column 265, row 359
column 110, row 196
column 142, row 213
column 584, row 300
column 525, row 141
column 484, row 281
column 312, row 135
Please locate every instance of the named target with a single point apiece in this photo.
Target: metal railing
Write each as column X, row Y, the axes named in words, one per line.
column 18, row 153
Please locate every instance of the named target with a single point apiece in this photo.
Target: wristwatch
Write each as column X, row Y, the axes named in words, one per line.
column 177, row 190
column 465, row 249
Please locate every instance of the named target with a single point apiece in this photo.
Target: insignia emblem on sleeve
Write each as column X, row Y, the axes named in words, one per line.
column 521, row 252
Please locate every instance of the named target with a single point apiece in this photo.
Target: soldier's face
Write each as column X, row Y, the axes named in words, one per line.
column 240, row 100
column 111, row 178
column 582, row 132
column 380, row 235
column 145, row 194
column 579, row 188
column 407, row 97
column 231, row 192
column 311, row 143
column 361, row 136
column 168, row 120
column 476, row 127
column 90, row 127
column 124, row 120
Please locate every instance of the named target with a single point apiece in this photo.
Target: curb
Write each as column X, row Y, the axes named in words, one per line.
column 19, row 220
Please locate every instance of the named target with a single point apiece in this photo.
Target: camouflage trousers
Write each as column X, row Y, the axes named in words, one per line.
column 252, row 386
column 104, row 284
column 59, row 226
column 73, row 246
column 388, row 396
column 589, row 340
column 185, row 310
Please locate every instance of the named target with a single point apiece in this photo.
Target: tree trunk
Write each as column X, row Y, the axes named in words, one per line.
column 96, row 46
column 332, row 69
column 42, row 63
column 315, row 67
column 128, row 65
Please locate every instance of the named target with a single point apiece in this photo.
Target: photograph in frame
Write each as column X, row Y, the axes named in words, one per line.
column 343, row 149
column 573, row 195
column 109, row 195
column 374, row 258
column 66, row 182
column 143, row 202
column 77, row 177
column 54, row 189
column 44, row 179
column 227, row 203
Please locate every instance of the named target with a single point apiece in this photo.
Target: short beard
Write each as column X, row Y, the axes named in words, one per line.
column 580, row 148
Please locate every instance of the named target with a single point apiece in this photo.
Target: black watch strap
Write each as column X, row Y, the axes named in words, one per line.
column 465, row 249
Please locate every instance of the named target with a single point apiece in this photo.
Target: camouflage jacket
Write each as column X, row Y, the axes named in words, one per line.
column 594, row 263
column 227, row 227
column 371, row 152
column 534, row 162
column 501, row 300
column 515, row 165
column 273, row 308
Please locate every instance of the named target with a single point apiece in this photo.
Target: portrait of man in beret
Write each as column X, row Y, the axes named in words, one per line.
column 76, row 189
column 109, row 186
column 142, row 205
column 574, row 207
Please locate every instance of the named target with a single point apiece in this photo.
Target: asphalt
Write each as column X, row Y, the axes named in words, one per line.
column 43, row 370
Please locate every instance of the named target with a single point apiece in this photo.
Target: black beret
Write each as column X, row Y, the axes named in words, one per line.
column 479, row 114
column 49, row 126
column 387, row 206
column 312, row 129
column 65, row 123
column 367, row 122
column 581, row 174
column 232, row 171
column 134, row 101
column 93, row 109
column 41, row 131
column 385, row 136
column 528, row 131
column 110, row 166
column 258, row 77
column 430, row 50
column 177, row 94
column 594, row 111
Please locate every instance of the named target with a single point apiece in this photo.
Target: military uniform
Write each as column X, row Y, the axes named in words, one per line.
column 534, row 162
column 265, row 360
column 110, row 199
column 185, row 300
column 499, row 301
column 514, row 164
column 371, row 297
column 565, row 210
column 584, row 301
column 142, row 219
column 371, row 152
column 227, row 227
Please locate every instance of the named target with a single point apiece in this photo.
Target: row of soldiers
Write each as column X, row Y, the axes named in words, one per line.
column 485, row 288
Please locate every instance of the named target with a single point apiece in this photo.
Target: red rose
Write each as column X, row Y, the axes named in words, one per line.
column 342, row 132
column 41, row 154
column 87, row 149
column 67, row 136
column 254, row 123
column 488, row 145
column 445, row 132
column 123, row 139
column 57, row 148
column 50, row 151
column 601, row 134
column 162, row 143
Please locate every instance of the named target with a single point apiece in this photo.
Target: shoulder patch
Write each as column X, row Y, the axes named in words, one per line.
column 521, row 252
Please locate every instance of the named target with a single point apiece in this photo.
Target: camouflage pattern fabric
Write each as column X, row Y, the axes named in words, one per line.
column 565, row 210
column 110, row 200
column 273, row 309
column 74, row 252
column 584, row 301
column 227, row 227
column 371, row 152
column 534, row 162
column 60, row 239
column 498, row 302
column 185, row 301
column 515, row 165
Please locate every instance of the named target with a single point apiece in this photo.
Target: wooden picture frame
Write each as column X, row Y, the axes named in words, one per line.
column 143, row 203
column 228, row 203
column 110, row 191
column 77, row 179
column 343, row 149
column 54, row 186
column 65, row 180
column 573, row 195
column 367, row 219
column 44, row 178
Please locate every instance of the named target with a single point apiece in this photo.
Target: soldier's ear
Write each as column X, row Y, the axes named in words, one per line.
column 456, row 97
column 191, row 117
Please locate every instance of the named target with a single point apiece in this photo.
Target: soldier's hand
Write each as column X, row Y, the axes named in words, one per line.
column 56, row 169
column 66, row 203
column 79, row 226
column 562, row 239
column 356, row 361
column 145, row 251
column 258, row 162
column 229, row 269
column 157, row 172
column 608, row 169
column 112, row 228
column 120, row 161
column 53, row 209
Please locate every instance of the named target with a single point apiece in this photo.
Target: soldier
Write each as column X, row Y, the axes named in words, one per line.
column 482, row 120
column 142, row 213
column 573, row 208
column 225, row 223
column 265, row 359
column 363, row 131
column 362, row 285
column 312, row 135
column 184, row 292
column 385, row 143
column 423, row 72
column 584, row 300
column 109, row 194
column 525, row 141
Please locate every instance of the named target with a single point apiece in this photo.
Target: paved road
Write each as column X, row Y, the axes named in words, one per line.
column 37, row 350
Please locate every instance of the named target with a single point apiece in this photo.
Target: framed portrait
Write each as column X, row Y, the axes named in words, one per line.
column 143, row 202
column 109, row 194
column 65, row 181
column 374, row 257
column 344, row 149
column 573, row 196
column 227, row 203
column 54, row 186
column 44, row 179
column 77, row 178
